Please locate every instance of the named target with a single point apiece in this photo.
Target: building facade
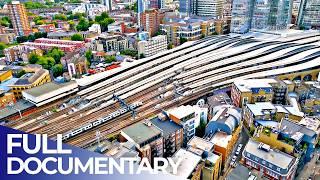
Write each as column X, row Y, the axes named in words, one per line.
column 271, row 15
column 19, row 18
column 241, row 13
column 107, row 43
column 152, row 46
column 150, row 20
column 148, row 139
column 29, row 80
column 309, row 14
column 212, row 8
column 272, row 163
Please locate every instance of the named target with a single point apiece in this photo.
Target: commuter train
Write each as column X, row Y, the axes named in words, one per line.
column 99, row 122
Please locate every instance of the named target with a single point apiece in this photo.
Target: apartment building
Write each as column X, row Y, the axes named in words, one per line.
column 147, row 137
column 19, row 18
column 152, row 46
column 271, row 162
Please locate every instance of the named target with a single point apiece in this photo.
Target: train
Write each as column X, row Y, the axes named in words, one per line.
column 100, row 121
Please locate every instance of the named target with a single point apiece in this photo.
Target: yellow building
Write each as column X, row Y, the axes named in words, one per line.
column 5, row 75
column 30, row 80
column 267, row 136
column 258, row 90
column 212, row 167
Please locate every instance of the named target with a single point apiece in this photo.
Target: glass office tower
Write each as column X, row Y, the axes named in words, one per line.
column 241, row 16
column 309, row 14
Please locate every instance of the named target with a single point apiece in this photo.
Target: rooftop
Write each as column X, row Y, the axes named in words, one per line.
column 312, row 123
column 181, row 111
column 11, row 110
column 198, row 145
column 278, row 158
column 219, row 99
column 47, row 88
column 291, row 128
column 246, row 85
column 188, row 164
column 141, row 132
column 168, row 126
column 29, row 78
column 221, row 139
column 264, row 108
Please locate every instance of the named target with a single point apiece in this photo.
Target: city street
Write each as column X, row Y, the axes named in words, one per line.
column 310, row 169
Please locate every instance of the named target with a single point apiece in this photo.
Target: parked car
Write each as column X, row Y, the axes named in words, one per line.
column 238, row 149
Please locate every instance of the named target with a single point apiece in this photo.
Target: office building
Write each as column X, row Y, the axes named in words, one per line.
column 108, row 43
column 266, row 112
column 188, row 28
column 146, row 137
column 152, row 46
column 185, row 116
column 33, row 78
column 260, row 15
column 212, row 8
column 185, row 7
column 172, row 135
column 19, row 18
column 309, row 14
column 259, row 90
column 150, row 20
column 271, row 162
column 271, row 15
column 241, row 16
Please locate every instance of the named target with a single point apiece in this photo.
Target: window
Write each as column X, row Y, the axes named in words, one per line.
column 270, row 165
column 278, row 169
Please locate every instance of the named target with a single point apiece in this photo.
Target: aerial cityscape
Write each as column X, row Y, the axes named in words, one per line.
column 230, row 86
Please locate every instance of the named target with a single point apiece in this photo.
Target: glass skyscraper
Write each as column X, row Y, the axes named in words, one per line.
column 271, row 14
column 241, row 16
column 309, row 14
column 260, row 15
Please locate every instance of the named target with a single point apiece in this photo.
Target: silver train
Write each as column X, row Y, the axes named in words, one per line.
column 99, row 122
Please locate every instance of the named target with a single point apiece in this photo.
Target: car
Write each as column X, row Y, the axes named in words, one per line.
column 234, row 165
column 234, row 158
column 238, row 149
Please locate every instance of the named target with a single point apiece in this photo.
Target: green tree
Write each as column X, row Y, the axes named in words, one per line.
column 142, row 56
column 104, row 20
column 200, row 130
column 183, row 40
column 2, row 47
column 110, row 59
column 170, row 46
column 46, row 62
column 89, row 55
column 57, row 70
column 71, row 24
column 129, row 52
column 76, row 37
column 61, row 17
column 56, row 54
column 21, row 73
column 83, row 25
column 5, row 21
column 33, row 58
column 34, row 5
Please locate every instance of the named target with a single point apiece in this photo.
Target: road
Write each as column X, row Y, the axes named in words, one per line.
column 243, row 139
column 310, row 168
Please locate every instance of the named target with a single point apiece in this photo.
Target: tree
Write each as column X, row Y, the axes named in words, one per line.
column 5, row 21
column 46, row 62
column 129, row 52
column 34, row 5
column 61, row 17
column 31, row 37
column 57, row 70
column 76, row 37
column 200, row 130
column 71, row 25
column 89, row 55
column 2, row 47
column 183, row 40
column 104, row 20
column 170, row 46
column 56, row 54
column 109, row 59
column 33, row 58
column 83, row 25
column 142, row 56
column 21, row 73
